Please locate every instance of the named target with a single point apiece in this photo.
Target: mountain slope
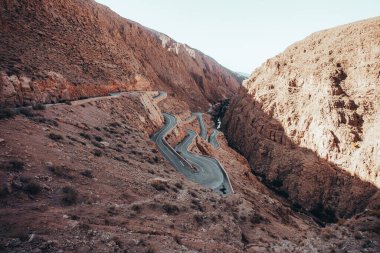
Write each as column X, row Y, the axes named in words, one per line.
column 308, row 120
column 68, row 49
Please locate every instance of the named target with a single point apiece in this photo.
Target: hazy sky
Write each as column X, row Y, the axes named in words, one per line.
column 242, row 34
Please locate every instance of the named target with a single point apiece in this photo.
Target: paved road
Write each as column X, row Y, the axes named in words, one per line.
column 199, row 169
column 213, row 140
column 161, row 95
column 169, row 153
column 203, row 133
column 208, row 173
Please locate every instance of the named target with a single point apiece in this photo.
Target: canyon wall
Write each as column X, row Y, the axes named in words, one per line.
column 67, row 49
column 308, row 120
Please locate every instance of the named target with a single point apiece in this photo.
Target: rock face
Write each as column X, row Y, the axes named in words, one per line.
column 78, row 48
column 308, row 120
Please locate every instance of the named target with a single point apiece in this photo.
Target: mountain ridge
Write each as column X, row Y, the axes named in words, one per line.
column 77, row 42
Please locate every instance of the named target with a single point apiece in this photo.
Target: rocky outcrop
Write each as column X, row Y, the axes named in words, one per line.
column 79, row 48
column 308, row 120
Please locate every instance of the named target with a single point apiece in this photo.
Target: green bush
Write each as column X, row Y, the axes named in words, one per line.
column 97, row 152
column 178, row 185
column 3, row 191
column 86, row 136
column 170, row 209
column 199, row 219
column 26, row 112
column 87, row 173
column 13, row 165
column 7, row 113
column 70, row 196
column 98, row 138
column 62, row 171
column 39, row 106
column 55, row 137
column 32, row 188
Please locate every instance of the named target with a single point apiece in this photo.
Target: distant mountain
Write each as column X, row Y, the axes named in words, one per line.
column 241, row 76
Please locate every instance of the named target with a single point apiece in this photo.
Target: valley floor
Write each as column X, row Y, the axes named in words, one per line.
column 87, row 177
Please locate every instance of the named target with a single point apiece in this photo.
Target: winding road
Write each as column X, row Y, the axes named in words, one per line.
column 204, row 170
column 167, row 151
column 209, row 172
column 200, row 169
column 213, row 140
column 203, row 133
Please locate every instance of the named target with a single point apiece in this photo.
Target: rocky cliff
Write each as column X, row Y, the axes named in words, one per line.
column 64, row 50
column 308, row 120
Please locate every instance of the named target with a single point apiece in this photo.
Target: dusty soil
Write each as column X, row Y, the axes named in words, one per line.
column 62, row 194
column 85, row 177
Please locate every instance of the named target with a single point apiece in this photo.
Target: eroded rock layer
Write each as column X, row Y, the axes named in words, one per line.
column 308, row 120
column 64, row 50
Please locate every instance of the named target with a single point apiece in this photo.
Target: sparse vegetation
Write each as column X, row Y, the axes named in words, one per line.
column 97, row 144
column 32, row 188
column 3, row 191
column 13, row 165
column 70, row 196
column 375, row 213
column 170, row 209
column 193, row 194
column 62, row 171
column 7, row 113
column 150, row 250
column 177, row 239
column 136, row 208
column 97, row 152
column 41, row 119
column 112, row 210
column 197, row 205
column 39, row 106
column 159, row 185
column 87, row 173
column 114, row 125
column 74, row 139
column 199, row 219
column 244, row 239
column 98, row 138
column 118, row 242
column 86, row 136
column 55, row 137
column 26, row 112
column 256, row 218
column 178, row 185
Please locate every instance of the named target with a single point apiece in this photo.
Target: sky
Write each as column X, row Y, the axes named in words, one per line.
column 242, row 34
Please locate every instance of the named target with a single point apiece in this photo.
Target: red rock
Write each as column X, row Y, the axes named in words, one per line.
column 76, row 48
column 327, row 108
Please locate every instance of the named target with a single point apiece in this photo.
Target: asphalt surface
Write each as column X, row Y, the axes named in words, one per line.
column 199, row 169
column 169, row 153
column 160, row 95
column 208, row 172
column 203, row 133
column 213, row 140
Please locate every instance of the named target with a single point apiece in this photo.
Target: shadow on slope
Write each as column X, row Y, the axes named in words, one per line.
column 310, row 182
